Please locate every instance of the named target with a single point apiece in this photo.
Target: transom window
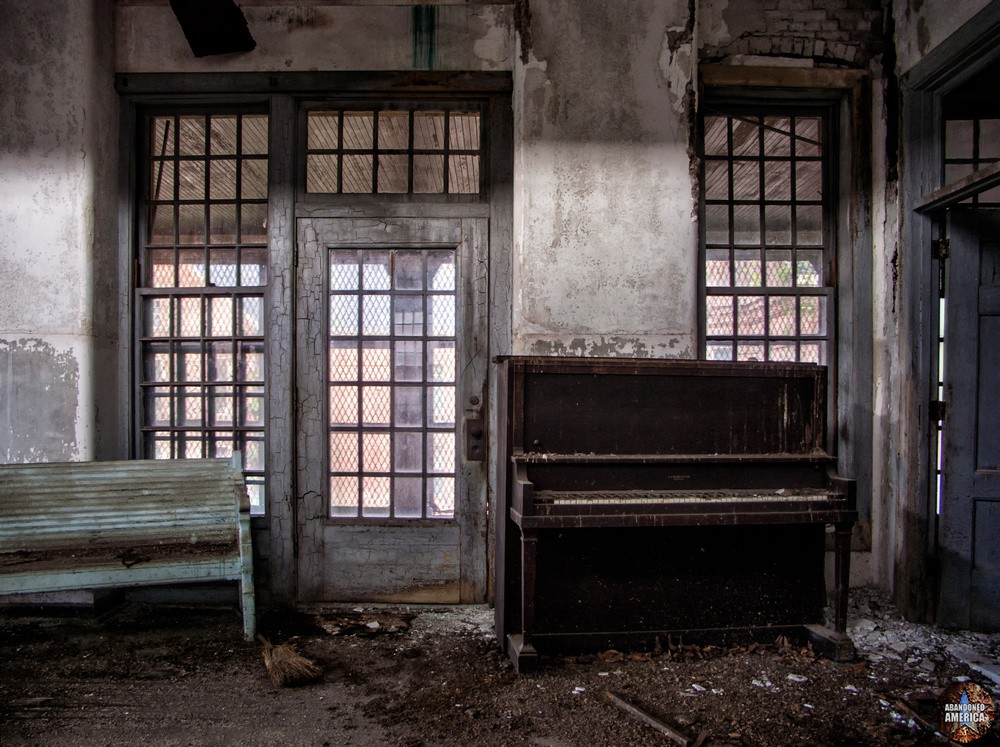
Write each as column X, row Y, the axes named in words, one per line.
column 767, row 248
column 203, row 260
column 970, row 145
column 382, row 151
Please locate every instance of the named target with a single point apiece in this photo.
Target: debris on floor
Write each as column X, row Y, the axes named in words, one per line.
column 137, row 674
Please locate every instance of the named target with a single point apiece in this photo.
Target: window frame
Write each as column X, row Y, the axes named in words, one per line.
column 139, row 290
column 754, row 107
column 281, row 94
column 849, row 94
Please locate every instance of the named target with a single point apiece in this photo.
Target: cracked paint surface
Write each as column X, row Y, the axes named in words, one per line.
column 39, row 397
column 604, row 239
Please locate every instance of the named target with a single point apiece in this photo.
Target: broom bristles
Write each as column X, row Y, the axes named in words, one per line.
column 287, row 667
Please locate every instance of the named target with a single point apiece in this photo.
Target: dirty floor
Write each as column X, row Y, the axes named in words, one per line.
column 137, row 674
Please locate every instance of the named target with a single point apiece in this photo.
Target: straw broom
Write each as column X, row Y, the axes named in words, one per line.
column 287, row 667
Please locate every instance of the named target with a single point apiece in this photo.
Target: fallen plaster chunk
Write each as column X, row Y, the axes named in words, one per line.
column 976, row 661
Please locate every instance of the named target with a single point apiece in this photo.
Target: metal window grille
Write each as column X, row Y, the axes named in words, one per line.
column 378, row 151
column 969, row 145
column 203, row 260
column 768, row 291
column 392, row 383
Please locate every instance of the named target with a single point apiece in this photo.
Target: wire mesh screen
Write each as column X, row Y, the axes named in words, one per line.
column 768, row 290
column 392, row 383
column 203, row 260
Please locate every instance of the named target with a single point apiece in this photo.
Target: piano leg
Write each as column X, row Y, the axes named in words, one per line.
column 519, row 646
column 841, row 575
column 835, row 643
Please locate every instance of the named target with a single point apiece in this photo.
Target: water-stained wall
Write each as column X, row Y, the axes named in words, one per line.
column 604, row 219
column 58, row 232
column 327, row 37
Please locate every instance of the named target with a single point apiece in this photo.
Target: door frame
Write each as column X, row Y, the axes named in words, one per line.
column 287, row 206
column 275, row 543
column 910, row 554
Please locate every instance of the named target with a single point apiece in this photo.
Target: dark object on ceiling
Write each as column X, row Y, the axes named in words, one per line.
column 213, row 26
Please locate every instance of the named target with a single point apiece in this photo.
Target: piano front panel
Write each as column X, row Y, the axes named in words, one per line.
column 704, row 410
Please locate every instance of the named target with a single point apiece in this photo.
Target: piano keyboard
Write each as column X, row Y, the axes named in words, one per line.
column 638, row 497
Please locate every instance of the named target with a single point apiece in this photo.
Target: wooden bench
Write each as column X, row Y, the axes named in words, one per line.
column 100, row 525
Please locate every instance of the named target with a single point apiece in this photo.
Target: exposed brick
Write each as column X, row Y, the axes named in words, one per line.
column 820, row 48
column 808, row 47
column 809, row 15
column 795, row 4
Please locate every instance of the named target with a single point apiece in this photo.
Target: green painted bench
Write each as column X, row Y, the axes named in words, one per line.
column 103, row 525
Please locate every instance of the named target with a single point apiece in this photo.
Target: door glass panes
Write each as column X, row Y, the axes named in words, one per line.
column 407, row 151
column 203, row 257
column 970, row 145
column 766, row 249
column 392, row 383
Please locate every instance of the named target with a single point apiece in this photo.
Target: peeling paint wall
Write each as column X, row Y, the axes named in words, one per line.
column 323, row 37
column 923, row 24
column 605, row 237
column 39, row 401
column 58, row 231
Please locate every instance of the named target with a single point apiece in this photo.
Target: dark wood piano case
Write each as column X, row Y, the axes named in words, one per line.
column 647, row 498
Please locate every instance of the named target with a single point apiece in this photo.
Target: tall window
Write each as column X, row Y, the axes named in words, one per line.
column 767, row 234
column 202, row 258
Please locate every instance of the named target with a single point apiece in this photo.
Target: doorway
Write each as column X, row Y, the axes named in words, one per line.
column 969, row 519
column 391, row 372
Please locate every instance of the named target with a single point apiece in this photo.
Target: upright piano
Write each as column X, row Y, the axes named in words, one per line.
column 643, row 499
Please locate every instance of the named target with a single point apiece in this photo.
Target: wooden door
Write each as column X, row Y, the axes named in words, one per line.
column 391, row 373
column 969, row 529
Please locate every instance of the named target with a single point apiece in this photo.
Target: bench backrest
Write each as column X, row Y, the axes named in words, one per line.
column 96, row 504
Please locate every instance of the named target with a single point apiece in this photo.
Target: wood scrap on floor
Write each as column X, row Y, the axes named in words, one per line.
column 651, row 721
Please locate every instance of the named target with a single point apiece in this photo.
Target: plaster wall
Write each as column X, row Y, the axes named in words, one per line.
column 58, row 311
column 327, row 38
column 604, row 217
column 923, row 24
